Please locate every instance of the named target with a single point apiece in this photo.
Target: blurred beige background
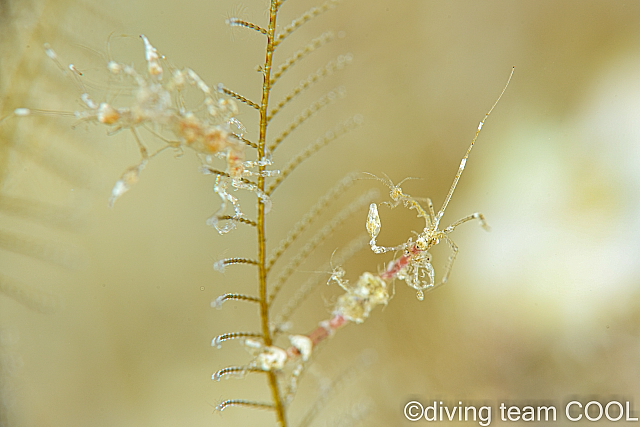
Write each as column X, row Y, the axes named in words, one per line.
column 104, row 313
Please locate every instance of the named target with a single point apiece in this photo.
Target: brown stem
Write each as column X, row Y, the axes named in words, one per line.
column 262, row 265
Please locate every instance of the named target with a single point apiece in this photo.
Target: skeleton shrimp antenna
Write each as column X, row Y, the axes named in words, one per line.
column 463, row 162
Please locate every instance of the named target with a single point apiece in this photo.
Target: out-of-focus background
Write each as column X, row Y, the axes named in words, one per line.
column 104, row 313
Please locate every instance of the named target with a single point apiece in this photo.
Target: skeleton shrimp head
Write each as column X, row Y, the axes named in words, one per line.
column 426, row 240
column 395, row 191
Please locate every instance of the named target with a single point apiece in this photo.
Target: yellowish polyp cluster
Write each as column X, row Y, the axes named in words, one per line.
column 358, row 301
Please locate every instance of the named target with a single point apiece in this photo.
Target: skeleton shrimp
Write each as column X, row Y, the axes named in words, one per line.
column 157, row 105
column 414, row 266
column 371, row 290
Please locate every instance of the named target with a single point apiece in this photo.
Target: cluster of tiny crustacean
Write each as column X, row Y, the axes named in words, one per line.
column 157, row 104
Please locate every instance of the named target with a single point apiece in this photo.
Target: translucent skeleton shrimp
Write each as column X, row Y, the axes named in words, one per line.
column 371, row 290
column 414, row 266
column 157, row 104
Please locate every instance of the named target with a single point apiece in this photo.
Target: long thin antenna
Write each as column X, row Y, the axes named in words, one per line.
column 463, row 162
